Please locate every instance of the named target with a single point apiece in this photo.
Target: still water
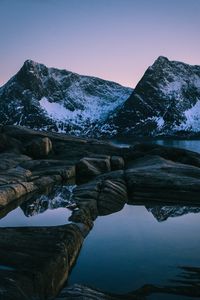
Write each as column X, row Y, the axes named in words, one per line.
column 134, row 247
column 49, row 209
column 192, row 145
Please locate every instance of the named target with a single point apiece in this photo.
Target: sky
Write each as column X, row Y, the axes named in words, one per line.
column 112, row 39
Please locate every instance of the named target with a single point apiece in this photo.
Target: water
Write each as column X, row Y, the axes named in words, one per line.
column 192, row 145
column 41, row 210
column 131, row 248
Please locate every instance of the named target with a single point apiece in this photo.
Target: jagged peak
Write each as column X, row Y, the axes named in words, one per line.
column 29, row 63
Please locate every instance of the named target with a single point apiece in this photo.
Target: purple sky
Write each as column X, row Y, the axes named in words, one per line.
column 111, row 39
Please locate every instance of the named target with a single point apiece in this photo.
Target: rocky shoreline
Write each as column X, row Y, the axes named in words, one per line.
column 35, row 261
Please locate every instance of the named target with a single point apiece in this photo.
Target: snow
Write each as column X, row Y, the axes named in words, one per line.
column 160, row 122
column 55, row 110
column 192, row 119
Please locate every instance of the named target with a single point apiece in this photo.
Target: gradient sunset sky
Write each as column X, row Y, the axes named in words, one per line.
column 112, row 39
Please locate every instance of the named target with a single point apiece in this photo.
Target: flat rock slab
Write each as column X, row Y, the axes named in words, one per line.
column 35, row 261
column 153, row 178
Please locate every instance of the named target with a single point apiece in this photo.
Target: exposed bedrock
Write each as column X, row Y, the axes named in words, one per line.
column 35, row 261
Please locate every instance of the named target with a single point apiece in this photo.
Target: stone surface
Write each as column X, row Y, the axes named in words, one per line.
column 36, row 261
column 112, row 197
column 117, row 163
column 90, row 167
column 153, row 178
column 39, row 147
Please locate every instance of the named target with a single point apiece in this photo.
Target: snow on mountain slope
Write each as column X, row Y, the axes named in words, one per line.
column 165, row 101
column 48, row 98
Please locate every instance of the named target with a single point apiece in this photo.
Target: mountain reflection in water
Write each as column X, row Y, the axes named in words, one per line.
column 132, row 250
column 52, row 208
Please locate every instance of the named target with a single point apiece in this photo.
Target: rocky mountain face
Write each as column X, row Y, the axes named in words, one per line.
column 52, row 99
column 165, row 101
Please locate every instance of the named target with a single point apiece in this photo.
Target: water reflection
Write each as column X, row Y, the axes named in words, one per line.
column 162, row 213
column 58, row 196
column 52, row 208
column 129, row 249
column 192, row 145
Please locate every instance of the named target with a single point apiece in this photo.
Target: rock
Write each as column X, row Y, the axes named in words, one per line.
column 112, row 197
column 82, row 216
column 11, row 192
column 11, row 160
column 90, row 167
column 170, row 153
column 117, row 163
column 9, row 143
column 39, row 147
column 39, row 262
column 153, row 178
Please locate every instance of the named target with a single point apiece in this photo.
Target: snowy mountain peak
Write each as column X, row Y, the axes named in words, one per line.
column 49, row 98
column 161, row 59
column 165, row 101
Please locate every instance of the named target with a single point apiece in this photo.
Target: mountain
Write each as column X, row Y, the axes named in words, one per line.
column 52, row 99
column 162, row 213
column 165, row 101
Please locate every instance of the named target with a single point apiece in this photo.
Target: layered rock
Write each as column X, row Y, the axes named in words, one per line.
column 38, row 261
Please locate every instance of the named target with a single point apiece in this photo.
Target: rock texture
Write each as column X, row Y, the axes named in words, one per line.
column 35, row 261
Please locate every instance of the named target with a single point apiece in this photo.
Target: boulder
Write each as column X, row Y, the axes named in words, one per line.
column 117, row 163
column 153, row 178
column 90, row 167
column 38, row 261
column 112, row 197
column 39, row 147
column 86, row 195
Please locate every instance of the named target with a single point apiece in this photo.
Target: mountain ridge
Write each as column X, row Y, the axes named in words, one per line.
column 166, row 101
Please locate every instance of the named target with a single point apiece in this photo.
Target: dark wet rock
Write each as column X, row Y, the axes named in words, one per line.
column 11, row 192
column 153, row 178
column 90, row 167
column 11, row 160
column 7, row 143
column 174, row 154
column 86, row 195
column 112, row 197
column 39, row 262
column 117, row 163
column 83, row 216
column 39, row 147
